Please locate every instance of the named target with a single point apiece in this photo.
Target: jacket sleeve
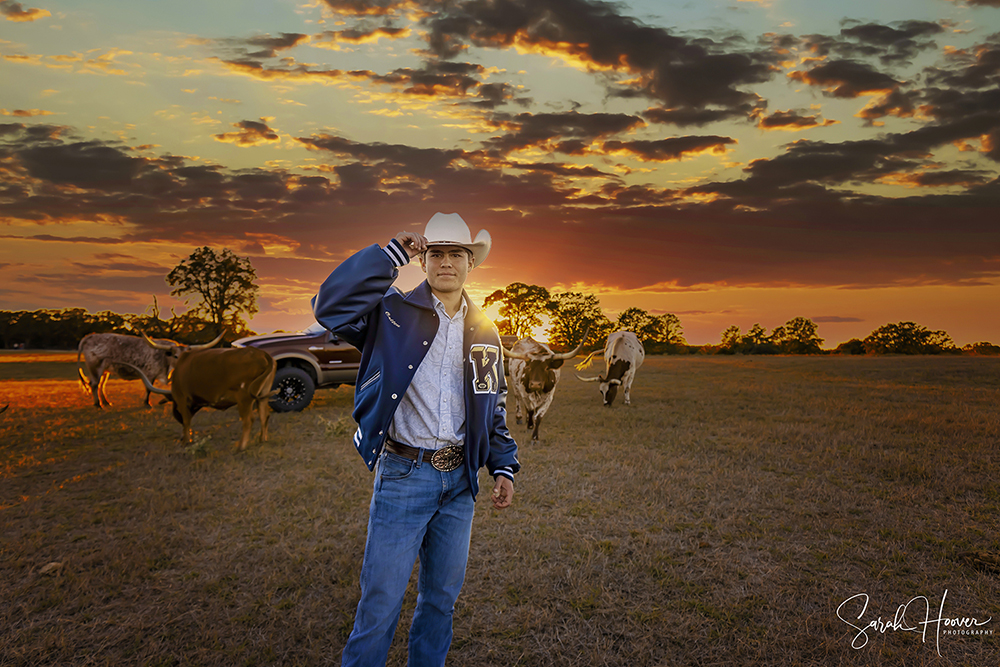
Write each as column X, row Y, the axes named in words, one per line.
column 503, row 449
column 354, row 289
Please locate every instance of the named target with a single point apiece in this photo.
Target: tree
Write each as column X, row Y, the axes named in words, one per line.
column 642, row 324
column 521, row 306
column 571, row 314
column 797, row 336
column 853, row 346
column 223, row 282
column 907, row 338
column 731, row 340
column 669, row 330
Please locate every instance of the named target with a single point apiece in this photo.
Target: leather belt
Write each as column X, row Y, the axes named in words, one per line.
column 445, row 459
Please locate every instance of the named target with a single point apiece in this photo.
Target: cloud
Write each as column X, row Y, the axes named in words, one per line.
column 25, row 113
column 13, row 11
column 334, row 39
column 846, row 78
column 894, row 44
column 681, row 73
column 829, row 319
column 667, row 150
column 792, row 121
column 568, row 132
column 369, row 8
column 251, row 133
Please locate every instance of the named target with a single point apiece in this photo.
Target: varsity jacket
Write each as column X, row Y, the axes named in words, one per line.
column 394, row 330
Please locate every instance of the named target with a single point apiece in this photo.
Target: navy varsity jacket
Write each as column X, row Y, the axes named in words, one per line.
column 394, row 331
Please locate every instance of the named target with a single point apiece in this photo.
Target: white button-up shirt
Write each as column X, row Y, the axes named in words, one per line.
column 431, row 414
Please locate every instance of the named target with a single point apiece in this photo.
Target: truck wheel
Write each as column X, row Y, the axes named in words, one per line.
column 294, row 389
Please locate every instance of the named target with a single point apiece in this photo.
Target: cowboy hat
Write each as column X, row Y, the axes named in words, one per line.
column 450, row 229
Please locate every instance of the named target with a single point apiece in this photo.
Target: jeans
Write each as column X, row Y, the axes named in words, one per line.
column 416, row 511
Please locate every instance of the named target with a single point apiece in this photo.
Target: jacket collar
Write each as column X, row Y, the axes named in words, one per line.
column 421, row 297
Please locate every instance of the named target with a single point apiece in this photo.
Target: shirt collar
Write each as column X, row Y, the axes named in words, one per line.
column 439, row 305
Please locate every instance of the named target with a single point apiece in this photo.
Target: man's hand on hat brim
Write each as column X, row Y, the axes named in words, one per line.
column 413, row 243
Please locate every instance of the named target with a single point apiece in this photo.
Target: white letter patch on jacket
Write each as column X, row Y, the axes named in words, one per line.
column 484, row 360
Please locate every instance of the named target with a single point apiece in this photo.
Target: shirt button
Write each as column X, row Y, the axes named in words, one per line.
column 425, row 342
column 410, row 367
column 394, row 396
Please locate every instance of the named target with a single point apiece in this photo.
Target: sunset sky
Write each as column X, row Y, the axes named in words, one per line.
column 729, row 161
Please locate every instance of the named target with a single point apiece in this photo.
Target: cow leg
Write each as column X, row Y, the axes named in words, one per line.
column 628, row 399
column 531, row 418
column 517, row 410
column 264, row 412
column 101, row 392
column 246, row 415
column 534, row 434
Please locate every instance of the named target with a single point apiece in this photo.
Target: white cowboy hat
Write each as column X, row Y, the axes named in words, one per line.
column 450, row 229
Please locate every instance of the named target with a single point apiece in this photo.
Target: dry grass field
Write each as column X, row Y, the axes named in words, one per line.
column 721, row 519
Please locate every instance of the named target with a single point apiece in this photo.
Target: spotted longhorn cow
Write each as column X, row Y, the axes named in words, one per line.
column 103, row 353
column 623, row 354
column 534, row 373
column 220, row 379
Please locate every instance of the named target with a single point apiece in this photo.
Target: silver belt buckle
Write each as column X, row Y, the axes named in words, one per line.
column 447, row 458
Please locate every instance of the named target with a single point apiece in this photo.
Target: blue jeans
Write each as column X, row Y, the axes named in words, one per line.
column 416, row 511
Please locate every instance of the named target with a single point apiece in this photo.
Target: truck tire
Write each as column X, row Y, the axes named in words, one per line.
column 294, row 389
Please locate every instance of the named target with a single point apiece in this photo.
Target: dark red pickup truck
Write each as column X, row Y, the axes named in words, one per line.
column 307, row 360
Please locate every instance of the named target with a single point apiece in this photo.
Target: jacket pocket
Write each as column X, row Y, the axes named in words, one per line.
column 370, row 380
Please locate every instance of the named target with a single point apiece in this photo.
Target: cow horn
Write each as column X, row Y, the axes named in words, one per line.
column 593, row 379
column 570, row 355
column 515, row 355
column 208, row 345
column 152, row 343
column 145, row 381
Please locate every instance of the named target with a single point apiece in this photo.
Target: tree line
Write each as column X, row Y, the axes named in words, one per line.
column 224, row 292
column 220, row 284
column 522, row 308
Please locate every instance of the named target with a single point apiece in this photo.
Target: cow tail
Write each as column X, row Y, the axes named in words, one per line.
column 587, row 362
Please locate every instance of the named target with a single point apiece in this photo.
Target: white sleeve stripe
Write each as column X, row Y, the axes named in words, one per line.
column 505, row 473
column 397, row 255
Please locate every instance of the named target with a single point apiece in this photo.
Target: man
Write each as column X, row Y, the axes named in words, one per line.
column 430, row 408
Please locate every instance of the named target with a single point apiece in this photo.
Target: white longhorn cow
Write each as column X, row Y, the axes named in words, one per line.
column 623, row 354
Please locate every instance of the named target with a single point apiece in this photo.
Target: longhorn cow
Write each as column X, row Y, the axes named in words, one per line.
column 106, row 352
column 220, row 379
column 623, row 354
column 534, row 373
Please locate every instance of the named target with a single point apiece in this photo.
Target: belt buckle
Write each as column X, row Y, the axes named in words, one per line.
column 447, row 458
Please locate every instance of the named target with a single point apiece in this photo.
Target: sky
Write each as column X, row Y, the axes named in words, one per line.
column 729, row 161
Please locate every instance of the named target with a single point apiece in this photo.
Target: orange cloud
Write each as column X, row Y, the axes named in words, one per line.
column 13, row 11
column 251, row 133
column 25, row 113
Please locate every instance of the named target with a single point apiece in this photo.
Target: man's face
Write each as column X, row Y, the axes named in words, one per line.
column 447, row 267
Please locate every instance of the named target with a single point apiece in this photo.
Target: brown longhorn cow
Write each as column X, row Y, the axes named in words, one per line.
column 534, row 373
column 220, row 379
column 106, row 352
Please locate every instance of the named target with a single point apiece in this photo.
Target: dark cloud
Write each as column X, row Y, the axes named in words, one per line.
column 685, row 117
column 791, row 120
column 370, row 7
column 667, row 150
column 249, row 133
column 846, row 78
column 568, row 132
column 264, row 46
column 682, row 73
column 894, row 44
